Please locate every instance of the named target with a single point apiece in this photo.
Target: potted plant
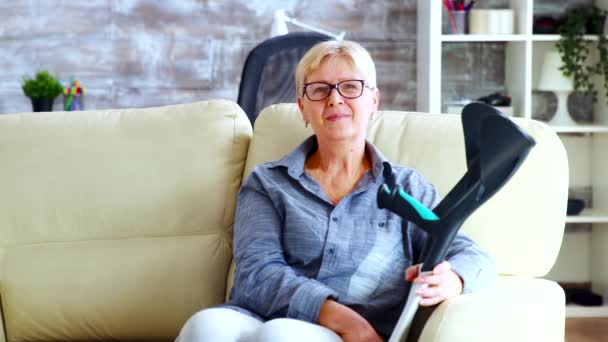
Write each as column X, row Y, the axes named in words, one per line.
column 575, row 50
column 42, row 90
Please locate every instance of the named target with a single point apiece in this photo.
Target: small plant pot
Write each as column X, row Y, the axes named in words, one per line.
column 42, row 105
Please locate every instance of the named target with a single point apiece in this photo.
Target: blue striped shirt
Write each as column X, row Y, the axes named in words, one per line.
column 293, row 248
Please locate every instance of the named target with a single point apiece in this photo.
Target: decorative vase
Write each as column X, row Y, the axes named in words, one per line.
column 562, row 117
column 42, row 105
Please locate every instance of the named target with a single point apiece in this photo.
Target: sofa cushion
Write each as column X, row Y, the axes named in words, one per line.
column 434, row 145
column 117, row 224
column 516, row 309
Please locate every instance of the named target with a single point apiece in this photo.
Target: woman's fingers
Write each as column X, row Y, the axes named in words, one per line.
column 438, row 275
column 431, row 280
column 441, row 284
column 427, row 292
column 441, row 268
column 430, row 301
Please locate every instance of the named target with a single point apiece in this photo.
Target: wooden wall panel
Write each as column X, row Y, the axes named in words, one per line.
column 396, row 73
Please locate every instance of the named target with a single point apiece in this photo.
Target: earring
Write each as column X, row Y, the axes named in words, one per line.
column 306, row 124
column 371, row 117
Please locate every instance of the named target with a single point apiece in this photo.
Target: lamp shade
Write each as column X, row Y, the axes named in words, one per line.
column 279, row 24
column 551, row 78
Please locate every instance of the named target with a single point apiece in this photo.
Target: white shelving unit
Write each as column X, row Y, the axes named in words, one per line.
column 584, row 257
column 588, row 216
column 581, row 129
column 575, row 311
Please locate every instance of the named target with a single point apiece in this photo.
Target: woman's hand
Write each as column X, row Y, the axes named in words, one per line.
column 346, row 322
column 443, row 283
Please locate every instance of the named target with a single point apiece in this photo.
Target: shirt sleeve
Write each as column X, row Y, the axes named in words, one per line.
column 264, row 282
column 475, row 266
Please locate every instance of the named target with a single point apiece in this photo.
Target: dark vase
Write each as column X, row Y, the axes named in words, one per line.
column 43, row 105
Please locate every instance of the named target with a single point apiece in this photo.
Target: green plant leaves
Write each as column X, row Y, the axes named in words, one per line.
column 575, row 50
column 43, row 86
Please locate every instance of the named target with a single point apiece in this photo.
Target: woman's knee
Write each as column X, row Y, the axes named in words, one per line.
column 218, row 324
column 286, row 329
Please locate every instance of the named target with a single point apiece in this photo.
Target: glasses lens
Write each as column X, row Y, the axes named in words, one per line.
column 317, row 91
column 351, row 88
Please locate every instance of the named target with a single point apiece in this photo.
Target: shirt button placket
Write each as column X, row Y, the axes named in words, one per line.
column 331, row 250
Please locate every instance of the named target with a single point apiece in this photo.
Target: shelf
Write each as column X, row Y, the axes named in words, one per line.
column 483, row 38
column 588, row 216
column 442, row 72
column 505, row 37
column 574, row 311
column 581, row 129
column 555, row 37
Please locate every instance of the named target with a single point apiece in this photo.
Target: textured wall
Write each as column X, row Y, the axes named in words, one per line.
column 137, row 53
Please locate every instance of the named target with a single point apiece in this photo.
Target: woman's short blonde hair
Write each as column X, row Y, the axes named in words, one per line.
column 358, row 56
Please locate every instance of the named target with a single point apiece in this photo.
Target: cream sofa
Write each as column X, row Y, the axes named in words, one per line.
column 116, row 224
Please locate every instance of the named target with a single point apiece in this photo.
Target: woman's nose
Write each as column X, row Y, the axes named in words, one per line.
column 335, row 97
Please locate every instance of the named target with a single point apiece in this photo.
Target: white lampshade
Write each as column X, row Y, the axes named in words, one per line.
column 279, row 26
column 279, row 23
column 551, row 78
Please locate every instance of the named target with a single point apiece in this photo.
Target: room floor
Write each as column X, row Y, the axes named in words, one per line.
column 586, row 329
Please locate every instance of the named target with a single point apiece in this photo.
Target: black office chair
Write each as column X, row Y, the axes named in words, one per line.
column 268, row 76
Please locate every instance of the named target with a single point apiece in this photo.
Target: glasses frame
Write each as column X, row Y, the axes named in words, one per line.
column 334, row 86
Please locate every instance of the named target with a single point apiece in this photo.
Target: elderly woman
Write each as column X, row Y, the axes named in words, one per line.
column 316, row 260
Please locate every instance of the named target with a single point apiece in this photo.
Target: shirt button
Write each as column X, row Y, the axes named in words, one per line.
column 381, row 224
column 331, row 251
column 335, row 219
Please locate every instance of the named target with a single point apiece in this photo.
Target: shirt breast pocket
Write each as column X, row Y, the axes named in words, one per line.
column 381, row 265
column 397, row 256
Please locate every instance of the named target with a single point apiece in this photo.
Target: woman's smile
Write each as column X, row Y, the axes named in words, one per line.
column 336, row 117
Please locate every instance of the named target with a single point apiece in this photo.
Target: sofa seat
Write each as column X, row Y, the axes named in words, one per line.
column 117, row 224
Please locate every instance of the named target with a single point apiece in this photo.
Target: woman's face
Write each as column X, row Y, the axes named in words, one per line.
column 338, row 118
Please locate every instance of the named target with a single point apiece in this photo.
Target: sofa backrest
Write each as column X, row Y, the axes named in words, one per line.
column 522, row 225
column 117, row 224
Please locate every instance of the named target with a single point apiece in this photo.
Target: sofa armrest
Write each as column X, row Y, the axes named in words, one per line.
column 516, row 309
column 2, row 326
column 2, row 329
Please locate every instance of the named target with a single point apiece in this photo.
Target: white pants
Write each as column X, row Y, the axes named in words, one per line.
column 221, row 324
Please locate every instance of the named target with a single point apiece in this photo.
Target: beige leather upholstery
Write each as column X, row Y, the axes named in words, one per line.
column 522, row 225
column 117, row 224
column 517, row 309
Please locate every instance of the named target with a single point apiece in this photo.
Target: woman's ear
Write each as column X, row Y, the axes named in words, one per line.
column 376, row 98
column 301, row 106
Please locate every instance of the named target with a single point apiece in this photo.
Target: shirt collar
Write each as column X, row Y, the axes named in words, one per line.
column 294, row 161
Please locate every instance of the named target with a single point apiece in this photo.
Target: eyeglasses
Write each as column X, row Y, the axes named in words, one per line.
column 319, row 91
